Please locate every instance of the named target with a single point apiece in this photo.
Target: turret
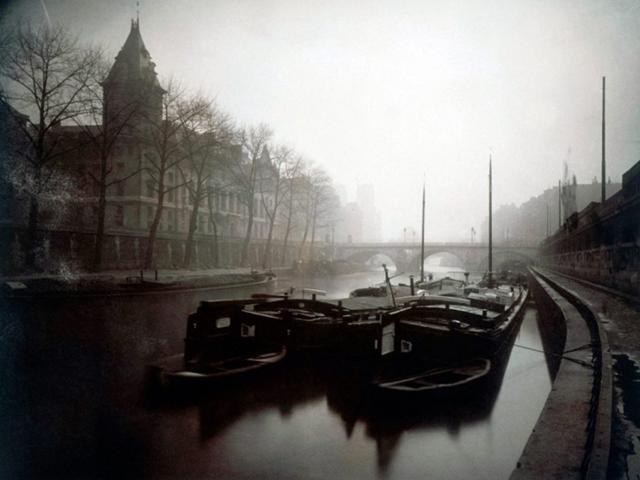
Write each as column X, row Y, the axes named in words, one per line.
column 132, row 88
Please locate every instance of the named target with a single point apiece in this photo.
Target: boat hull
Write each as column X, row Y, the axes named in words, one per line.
column 174, row 372
column 438, row 380
column 450, row 341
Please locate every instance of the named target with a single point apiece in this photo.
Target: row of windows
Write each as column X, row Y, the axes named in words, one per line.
column 170, row 218
column 172, row 221
column 222, row 201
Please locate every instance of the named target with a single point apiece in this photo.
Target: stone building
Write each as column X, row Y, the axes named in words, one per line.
column 132, row 102
column 534, row 220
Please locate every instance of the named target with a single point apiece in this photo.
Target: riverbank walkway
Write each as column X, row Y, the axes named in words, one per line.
column 148, row 274
column 120, row 282
column 619, row 316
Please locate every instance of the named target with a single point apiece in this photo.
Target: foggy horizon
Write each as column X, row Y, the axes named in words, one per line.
column 386, row 94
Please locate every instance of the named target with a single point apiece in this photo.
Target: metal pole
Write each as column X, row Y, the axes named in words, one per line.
column 604, row 194
column 422, row 240
column 490, row 229
column 559, row 206
column 547, row 220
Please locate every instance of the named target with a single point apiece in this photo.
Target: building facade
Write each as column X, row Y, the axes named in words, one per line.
column 133, row 105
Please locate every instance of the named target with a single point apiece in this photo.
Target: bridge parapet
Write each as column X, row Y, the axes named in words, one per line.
column 406, row 256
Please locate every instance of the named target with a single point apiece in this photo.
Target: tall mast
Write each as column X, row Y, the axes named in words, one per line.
column 422, row 240
column 559, row 205
column 604, row 194
column 490, row 229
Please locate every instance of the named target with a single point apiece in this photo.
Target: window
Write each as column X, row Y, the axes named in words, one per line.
column 247, row 330
column 150, row 214
column 120, row 188
column 151, row 192
column 172, row 192
column 223, row 322
column 163, row 221
column 119, row 215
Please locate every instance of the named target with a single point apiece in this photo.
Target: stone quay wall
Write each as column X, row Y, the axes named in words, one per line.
column 601, row 243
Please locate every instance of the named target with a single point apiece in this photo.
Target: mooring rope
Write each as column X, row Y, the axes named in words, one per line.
column 563, row 356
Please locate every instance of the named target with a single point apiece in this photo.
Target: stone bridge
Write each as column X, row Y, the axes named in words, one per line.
column 474, row 257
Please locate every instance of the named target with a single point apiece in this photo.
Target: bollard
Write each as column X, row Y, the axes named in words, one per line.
column 412, row 285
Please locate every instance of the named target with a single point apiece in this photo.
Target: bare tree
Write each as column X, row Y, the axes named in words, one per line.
column 305, row 194
column 103, row 132
column 166, row 152
column 245, row 174
column 213, row 219
column 44, row 73
column 205, row 137
column 325, row 206
column 317, row 204
column 292, row 179
column 272, row 185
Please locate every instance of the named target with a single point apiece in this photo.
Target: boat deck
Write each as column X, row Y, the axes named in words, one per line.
column 362, row 303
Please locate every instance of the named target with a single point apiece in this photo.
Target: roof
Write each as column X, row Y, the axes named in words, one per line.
column 631, row 174
column 133, row 62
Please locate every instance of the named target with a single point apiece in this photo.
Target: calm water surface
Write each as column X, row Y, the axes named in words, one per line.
column 299, row 421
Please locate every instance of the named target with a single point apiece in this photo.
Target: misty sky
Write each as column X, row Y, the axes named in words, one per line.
column 384, row 92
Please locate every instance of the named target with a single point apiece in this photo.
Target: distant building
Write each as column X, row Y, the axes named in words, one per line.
column 371, row 227
column 535, row 219
column 350, row 228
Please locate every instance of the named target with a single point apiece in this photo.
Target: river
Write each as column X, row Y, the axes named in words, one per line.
column 73, row 405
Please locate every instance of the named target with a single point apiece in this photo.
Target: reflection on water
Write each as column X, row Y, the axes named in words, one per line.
column 319, row 420
column 312, row 419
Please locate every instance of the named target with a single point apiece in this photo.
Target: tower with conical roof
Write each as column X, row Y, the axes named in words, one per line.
column 131, row 88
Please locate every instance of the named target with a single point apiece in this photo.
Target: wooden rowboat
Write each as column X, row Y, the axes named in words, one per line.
column 439, row 379
column 173, row 370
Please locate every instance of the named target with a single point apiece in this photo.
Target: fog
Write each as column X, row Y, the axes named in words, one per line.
column 385, row 93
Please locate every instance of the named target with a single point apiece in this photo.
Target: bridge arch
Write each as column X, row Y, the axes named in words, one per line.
column 398, row 258
column 474, row 256
column 414, row 261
